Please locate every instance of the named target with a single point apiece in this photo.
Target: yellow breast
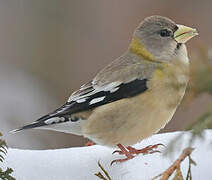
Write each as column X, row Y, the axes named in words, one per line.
column 130, row 120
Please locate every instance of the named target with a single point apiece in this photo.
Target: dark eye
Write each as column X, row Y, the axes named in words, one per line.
column 165, row 32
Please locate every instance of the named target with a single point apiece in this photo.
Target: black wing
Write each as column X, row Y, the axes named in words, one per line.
column 90, row 98
column 126, row 90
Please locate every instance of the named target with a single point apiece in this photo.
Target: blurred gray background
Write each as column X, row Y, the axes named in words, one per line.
column 48, row 48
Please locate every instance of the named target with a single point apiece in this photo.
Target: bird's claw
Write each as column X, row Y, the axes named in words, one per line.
column 129, row 152
column 90, row 143
column 117, row 151
column 147, row 150
column 119, row 160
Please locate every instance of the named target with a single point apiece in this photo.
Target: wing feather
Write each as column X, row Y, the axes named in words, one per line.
column 121, row 79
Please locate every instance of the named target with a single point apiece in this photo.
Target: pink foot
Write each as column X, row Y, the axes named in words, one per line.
column 129, row 152
column 90, row 143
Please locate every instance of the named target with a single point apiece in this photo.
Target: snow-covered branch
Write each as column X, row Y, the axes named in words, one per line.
column 82, row 163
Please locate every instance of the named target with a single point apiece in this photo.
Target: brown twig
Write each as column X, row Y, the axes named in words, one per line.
column 100, row 175
column 176, row 165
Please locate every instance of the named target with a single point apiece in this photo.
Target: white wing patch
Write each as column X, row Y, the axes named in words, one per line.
column 107, row 87
column 96, row 100
column 87, row 90
column 81, row 100
column 113, row 90
column 54, row 120
column 67, row 127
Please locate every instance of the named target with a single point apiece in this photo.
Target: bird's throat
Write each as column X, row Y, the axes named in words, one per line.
column 137, row 48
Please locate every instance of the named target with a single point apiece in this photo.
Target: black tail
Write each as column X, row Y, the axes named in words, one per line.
column 40, row 122
column 60, row 112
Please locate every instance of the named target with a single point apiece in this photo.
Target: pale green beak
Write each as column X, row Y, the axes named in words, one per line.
column 184, row 33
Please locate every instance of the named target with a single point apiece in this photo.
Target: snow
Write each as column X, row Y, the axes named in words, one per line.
column 81, row 163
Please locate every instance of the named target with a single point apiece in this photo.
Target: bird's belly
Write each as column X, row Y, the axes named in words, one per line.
column 128, row 121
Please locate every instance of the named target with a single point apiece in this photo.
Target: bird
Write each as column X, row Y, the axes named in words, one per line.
column 134, row 96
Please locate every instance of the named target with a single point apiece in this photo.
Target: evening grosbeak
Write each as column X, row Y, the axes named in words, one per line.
column 134, row 96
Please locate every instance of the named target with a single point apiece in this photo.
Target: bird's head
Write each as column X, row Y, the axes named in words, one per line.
column 158, row 38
